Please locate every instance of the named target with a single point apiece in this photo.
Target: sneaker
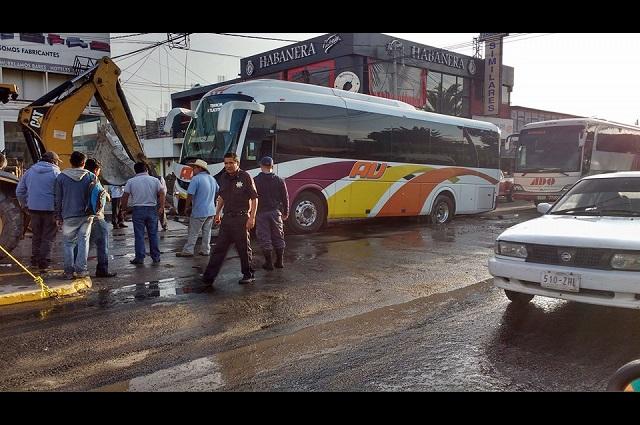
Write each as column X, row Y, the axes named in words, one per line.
column 247, row 279
column 67, row 276
column 184, row 254
column 204, row 254
column 82, row 274
column 136, row 261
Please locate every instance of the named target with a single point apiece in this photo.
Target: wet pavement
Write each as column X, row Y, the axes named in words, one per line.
column 365, row 291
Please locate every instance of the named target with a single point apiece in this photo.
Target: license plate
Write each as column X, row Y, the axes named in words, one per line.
column 560, row 281
column 542, row 198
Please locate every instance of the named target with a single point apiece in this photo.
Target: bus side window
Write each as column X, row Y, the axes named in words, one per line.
column 250, row 153
column 266, row 148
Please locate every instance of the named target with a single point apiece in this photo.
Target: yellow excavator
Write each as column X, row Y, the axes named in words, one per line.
column 48, row 122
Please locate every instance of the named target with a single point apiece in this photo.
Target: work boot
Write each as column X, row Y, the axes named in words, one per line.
column 268, row 260
column 279, row 255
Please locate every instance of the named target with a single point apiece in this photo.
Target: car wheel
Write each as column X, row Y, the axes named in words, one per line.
column 443, row 210
column 308, row 213
column 627, row 375
column 518, row 297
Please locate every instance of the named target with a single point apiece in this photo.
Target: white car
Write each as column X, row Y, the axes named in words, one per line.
column 585, row 248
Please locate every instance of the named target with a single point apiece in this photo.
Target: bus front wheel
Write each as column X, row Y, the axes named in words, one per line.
column 308, row 213
column 443, row 210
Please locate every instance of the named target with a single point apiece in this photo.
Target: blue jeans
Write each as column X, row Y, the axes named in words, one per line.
column 76, row 231
column 146, row 217
column 100, row 237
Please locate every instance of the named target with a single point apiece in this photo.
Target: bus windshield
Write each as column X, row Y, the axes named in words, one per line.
column 202, row 140
column 550, row 149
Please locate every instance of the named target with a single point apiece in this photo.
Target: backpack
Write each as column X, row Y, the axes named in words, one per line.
column 95, row 197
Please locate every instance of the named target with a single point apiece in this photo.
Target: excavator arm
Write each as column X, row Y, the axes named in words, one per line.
column 48, row 122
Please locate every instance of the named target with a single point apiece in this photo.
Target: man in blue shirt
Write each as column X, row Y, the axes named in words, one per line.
column 202, row 193
column 71, row 197
column 35, row 192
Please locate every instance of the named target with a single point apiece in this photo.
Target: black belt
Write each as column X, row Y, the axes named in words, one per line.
column 236, row 213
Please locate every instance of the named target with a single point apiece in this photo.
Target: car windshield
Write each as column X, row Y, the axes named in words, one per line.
column 202, row 140
column 615, row 196
column 552, row 149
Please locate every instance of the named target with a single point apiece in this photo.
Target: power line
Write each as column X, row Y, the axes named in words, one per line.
column 256, row 37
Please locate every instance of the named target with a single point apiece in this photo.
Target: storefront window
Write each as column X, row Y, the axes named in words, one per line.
column 447, row 94
column 401, row 82
column 320, row 74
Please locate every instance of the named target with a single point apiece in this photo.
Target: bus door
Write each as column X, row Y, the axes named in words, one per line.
column 259, row 139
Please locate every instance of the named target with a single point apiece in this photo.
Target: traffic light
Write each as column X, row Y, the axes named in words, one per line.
column 8, row 91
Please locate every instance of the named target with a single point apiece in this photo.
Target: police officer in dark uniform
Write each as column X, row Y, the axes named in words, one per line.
column 272, row 211
column 239, row 198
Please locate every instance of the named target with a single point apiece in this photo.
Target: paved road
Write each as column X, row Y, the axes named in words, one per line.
column 373, row 305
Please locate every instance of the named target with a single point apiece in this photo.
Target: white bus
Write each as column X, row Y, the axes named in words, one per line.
column 344, row 154
column 552, row 155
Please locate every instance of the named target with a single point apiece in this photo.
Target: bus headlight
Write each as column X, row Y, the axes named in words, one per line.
column 626, row 262
column 518, row 188
column 510, row 249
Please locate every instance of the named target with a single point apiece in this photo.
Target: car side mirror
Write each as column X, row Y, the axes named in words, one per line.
column 544, row 207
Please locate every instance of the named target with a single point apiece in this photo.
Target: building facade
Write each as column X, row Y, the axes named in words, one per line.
column 426, row 77
column 37, row 63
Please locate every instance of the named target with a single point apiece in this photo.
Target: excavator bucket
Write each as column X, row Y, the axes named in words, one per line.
column 117, row 167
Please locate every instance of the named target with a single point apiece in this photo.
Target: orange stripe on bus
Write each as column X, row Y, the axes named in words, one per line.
column 413, row 194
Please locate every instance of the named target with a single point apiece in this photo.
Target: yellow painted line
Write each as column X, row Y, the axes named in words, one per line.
column 70, row 288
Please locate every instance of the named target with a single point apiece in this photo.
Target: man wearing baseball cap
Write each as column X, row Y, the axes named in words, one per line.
column 273, row 209
column 35, row 192
column 202, row 193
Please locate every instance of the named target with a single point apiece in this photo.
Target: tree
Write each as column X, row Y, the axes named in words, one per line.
column 445, row 101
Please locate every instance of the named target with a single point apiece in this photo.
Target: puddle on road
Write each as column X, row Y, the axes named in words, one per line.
column 198, row 375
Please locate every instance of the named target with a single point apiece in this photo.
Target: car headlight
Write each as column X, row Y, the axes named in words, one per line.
column 517, row 188
column 626, row 261
column 511, row 249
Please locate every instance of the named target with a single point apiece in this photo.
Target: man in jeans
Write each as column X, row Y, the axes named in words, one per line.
column 100, row 228
column 71, row 198
column 147, row 199
column 35, row 192
column 202, row 193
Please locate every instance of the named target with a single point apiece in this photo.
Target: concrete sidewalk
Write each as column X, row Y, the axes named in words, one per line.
column 16, row 286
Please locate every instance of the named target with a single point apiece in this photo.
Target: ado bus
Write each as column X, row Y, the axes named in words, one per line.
column 344, row 154
column 552, row 155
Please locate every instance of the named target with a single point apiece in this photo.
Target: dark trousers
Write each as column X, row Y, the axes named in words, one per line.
column 269, row 230
column 232, row 231
column 44, row 228
column 117, row 215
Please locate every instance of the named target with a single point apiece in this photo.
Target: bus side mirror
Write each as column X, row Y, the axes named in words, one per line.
column 582, row 138
column 226, row 112
column 171, row 116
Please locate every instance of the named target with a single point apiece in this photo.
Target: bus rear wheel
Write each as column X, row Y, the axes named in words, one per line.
column 308, row 213
column 443, row 210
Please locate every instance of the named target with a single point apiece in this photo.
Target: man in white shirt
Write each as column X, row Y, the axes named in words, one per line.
column 117, row 213
column 147, row 200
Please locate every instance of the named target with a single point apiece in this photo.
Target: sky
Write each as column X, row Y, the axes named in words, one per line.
column 580, row 74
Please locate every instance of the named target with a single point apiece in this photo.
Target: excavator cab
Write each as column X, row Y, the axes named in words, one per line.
column 8, row 92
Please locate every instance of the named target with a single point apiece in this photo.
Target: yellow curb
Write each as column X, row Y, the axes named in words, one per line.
column 70, row 288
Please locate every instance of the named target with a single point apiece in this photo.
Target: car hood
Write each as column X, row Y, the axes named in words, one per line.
column 584, row 232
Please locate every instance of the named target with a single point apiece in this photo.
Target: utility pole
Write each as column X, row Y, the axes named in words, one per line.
column 393, row 48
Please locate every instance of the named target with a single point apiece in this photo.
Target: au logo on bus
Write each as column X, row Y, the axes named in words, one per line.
column 367, row 170
column 541, row 181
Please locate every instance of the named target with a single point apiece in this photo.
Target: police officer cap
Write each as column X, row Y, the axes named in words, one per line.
column 267, row 160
